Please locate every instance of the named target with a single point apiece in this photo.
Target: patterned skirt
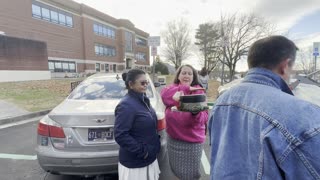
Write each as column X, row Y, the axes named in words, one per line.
column 185, row 159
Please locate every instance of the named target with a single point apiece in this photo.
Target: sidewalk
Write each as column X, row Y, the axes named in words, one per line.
column 10, row 110
column 10, row 113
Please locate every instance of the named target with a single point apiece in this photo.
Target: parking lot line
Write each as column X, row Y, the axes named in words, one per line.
column 17, row 156
column 205, row 163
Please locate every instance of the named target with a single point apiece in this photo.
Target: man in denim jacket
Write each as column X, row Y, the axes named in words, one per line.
column 258, row 129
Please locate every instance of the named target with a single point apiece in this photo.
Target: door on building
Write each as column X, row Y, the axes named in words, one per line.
column 128, row 63
column 97, row 67
column 106, row 67
column 114, row 68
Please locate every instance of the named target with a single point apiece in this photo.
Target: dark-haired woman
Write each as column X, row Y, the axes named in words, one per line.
column 136, row 131
column 186, row 130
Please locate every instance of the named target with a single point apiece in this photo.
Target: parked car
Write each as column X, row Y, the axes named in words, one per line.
column 302, row 87
column 76, row 137
column 162, row 80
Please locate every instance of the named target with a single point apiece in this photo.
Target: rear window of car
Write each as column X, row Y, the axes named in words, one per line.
column 102, row 88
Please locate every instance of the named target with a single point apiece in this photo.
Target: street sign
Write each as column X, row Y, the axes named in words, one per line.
column 153, row 50
column 316, row 46
column 154, row 41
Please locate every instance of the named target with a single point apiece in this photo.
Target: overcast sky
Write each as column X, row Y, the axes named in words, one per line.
column 301, row 18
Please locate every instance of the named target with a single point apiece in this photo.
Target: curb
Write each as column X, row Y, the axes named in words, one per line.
column 8, row 120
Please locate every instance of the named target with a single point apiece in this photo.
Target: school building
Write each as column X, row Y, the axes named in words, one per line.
column 79, row 40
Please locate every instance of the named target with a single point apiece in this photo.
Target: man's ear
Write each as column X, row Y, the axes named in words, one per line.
column 283, row 67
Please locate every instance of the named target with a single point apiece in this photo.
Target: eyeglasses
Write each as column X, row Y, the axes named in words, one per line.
column 144, row 83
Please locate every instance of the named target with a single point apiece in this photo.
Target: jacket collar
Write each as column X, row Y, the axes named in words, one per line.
column 140, row 96
column 267, row 77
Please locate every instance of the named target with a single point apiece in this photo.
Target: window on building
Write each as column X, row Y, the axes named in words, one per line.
column 72, row 67
column 45, row 14
column 141, row 56
column 103, row 50
column 51, row 66
column 62, row 66
column 104, row 30
column 95, row 28
column 141, row 41
column 97, row 67
column 36, row 11
column 54, row 17
column 69, row 21
column 62, row 19
column 96, row 49
column 106, row 67
column 51, row 14
column 113, row 34
column 128, row 38
column 65, row 65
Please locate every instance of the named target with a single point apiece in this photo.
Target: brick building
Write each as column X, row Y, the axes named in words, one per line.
column 79, row 38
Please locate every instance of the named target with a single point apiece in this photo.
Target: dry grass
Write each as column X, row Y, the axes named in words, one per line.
column 46, row 94
column 212, row 93
column 36, row 95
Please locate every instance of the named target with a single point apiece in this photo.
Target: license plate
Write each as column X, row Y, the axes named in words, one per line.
column 100, row 134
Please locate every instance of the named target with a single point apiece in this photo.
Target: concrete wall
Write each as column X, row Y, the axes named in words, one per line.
column 10, row 76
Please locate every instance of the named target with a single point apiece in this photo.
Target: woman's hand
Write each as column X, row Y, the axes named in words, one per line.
column 177, row 95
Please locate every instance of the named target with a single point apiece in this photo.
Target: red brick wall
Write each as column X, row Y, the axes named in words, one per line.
column 64, row 42
column 16, row 20
column 22, row 54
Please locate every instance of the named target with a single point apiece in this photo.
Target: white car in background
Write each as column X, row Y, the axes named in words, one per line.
column 76, row 137
column 302, row 87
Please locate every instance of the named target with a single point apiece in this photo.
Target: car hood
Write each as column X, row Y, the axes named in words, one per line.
column 94, row 107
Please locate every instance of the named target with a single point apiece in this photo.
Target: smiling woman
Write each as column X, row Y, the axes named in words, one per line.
column 186, row 130
column 135, row 131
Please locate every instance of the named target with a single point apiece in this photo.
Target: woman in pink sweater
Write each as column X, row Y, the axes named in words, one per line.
column 186, row 130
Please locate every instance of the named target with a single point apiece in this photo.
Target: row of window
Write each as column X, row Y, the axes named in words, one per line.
column 103, row 30
column 53, row 15
column 103, row 50
column 62, row 66
column 141, row 42
column 141, row 56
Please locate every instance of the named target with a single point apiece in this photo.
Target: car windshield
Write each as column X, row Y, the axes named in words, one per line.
column 102, row 88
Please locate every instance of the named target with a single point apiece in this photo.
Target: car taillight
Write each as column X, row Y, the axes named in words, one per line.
column 47, row 127
column 161, row 124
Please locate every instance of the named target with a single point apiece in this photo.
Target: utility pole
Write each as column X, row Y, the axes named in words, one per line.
column 154, row 42
column 154, row 68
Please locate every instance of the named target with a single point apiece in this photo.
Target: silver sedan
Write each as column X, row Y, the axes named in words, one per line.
column 76, row 137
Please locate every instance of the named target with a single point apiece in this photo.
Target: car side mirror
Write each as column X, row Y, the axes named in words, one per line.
column 157, row 84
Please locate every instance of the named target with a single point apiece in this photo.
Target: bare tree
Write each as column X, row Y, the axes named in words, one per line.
column 239, row 32
column 305, row 60
column 177, row 39
column 207, row 39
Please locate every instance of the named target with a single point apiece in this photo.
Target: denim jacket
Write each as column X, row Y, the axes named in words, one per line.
column 259, row 130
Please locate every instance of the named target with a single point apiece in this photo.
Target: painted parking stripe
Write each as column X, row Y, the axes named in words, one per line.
column 205, row 163
column 17, row 156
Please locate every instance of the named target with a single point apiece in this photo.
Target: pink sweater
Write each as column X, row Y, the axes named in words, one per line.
column 183, row 125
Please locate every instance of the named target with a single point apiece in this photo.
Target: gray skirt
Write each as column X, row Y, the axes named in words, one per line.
column 185, row 158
